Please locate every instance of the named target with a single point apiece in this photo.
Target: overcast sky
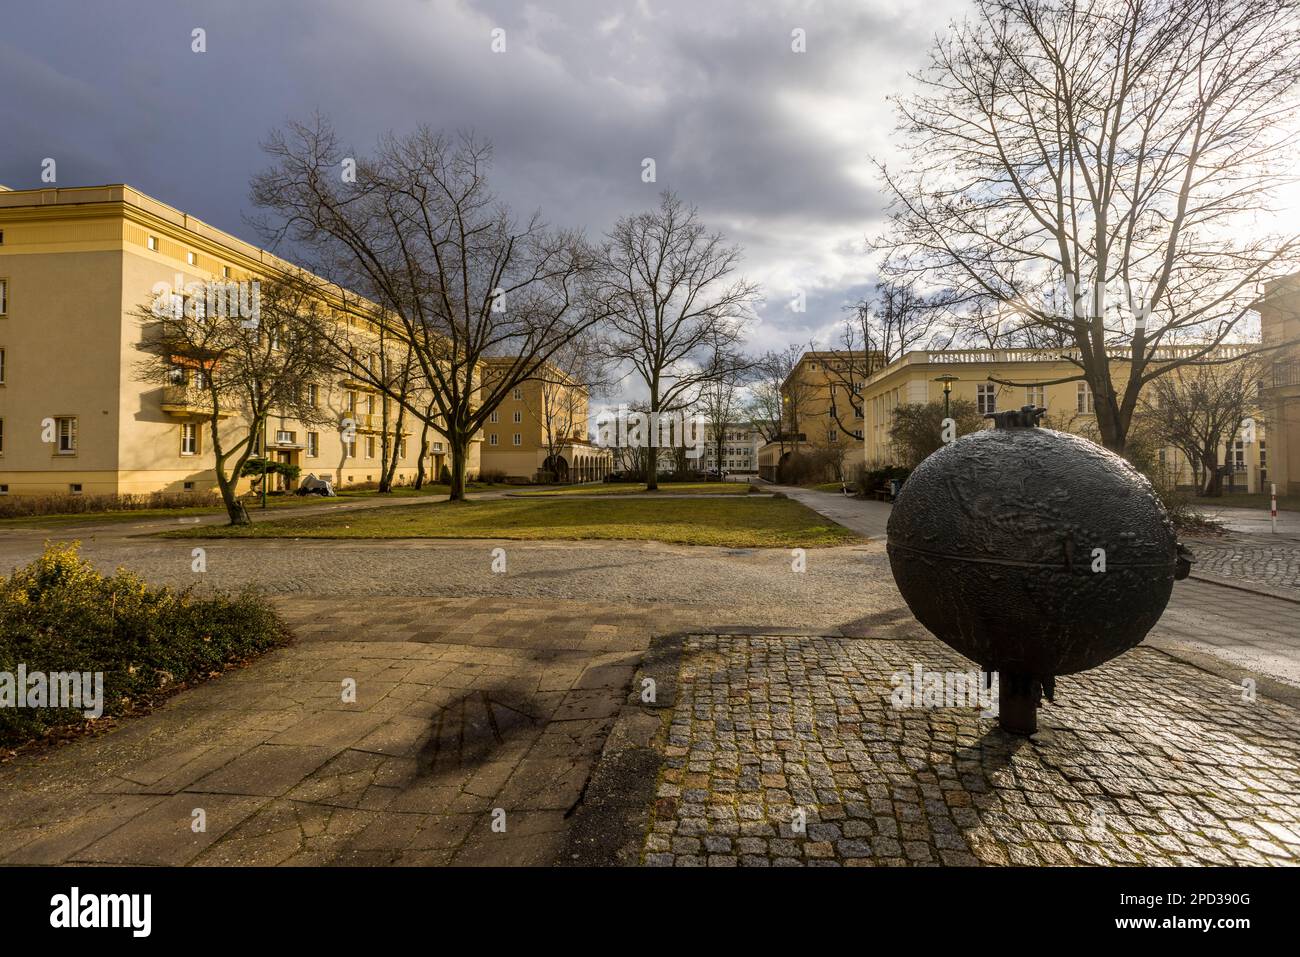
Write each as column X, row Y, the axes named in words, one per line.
column 773, row 146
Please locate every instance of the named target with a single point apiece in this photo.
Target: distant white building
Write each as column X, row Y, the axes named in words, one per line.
column 740, row 445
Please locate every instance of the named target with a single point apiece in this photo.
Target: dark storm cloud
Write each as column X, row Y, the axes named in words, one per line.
column 773, row 146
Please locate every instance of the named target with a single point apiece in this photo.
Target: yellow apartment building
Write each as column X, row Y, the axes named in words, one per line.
column 822, row 408
column 76, row 266
column 540, row 430
column 916, row 378
column 1279, row 313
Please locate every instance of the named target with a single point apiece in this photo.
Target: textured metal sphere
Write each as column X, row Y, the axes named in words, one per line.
column 992, row 542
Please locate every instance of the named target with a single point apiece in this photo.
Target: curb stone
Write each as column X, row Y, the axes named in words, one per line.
column 609, row 821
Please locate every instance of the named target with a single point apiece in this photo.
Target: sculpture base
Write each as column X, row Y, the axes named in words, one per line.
column 1018, row 697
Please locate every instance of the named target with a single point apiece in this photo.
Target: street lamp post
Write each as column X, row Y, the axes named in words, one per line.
column 947, row 379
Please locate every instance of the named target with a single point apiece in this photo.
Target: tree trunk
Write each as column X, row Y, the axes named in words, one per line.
column 1213, row 478
column 459, row 454
column 424, row 455
column 234, row 507
column 652, row 468
column 394, row 450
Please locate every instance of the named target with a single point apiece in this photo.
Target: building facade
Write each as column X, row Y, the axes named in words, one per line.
column 740, row 444
column 823, row 412
column 540, row 433
column 76, row 268
column 916, row 378
column 1279, row 313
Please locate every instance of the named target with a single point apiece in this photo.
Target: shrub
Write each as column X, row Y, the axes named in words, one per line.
column 873, row 479
column 444, row 476
column 917, row 431
column 491, row 476
column 1180, row 504
column 58, row 614
column 25, row 506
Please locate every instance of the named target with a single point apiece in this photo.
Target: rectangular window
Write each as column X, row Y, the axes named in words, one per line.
column 1036, row 395
column 401, row 449
column 492, row 439
column 370, row 405
column 152, row 243
column 2, row 436
column 284, row 437
column 351, row 446
column 66, row 427
column 370, row 446
column 1085, row 404
column 986, row 398
column 2, row 367
column 313, row 395
column 352, row 402
column 519, row 417
column 313, row 444
column 519, row 394
column 75, row 488
column 519, row 439
column 191, row 258
column 189, row 438
column 225, row 272
column 4, row 297
column 494, row 416
column 832, row 435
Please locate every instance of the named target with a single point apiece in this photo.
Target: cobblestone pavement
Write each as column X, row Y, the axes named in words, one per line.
column 1146, row 761
column 1253, row 559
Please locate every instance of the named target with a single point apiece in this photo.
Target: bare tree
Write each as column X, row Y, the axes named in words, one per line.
column 448, row 268
column 678, row 316
column 895, row 320
column 1198, row 409
column 778, row 398
column 721, row 400
column 1089, row 172
column 235, row 372
column 576, row 372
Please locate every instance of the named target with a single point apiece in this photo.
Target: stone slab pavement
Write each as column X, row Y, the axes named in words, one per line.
column 470, row 737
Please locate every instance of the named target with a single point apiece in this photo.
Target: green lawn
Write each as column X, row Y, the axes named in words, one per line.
column 254, row 506
column 737, row 522
column 632, row 488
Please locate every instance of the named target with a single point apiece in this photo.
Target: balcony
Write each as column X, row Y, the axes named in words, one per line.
column 1286, row 374
column 190, row 402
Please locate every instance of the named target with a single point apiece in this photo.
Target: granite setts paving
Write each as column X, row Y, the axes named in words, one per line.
column 1251, row 559
column 1146, row 761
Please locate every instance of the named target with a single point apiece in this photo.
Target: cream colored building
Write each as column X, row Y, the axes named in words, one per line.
column 76, row 265
column 822, row 408
column 539, row 431
column 1279, row 313
column 915, row 378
